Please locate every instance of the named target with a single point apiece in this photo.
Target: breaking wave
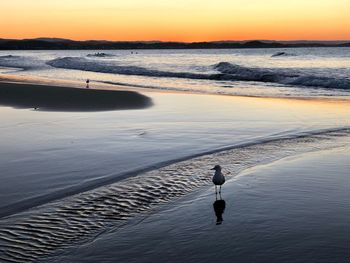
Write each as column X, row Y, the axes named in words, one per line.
column 283, row 54
column 225, row 72
column 21, row 62
column 96, row 66
column 281, row 76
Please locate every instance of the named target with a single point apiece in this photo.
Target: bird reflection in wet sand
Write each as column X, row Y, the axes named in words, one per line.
column 219, row 208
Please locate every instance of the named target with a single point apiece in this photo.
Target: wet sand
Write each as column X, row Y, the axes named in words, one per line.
column 292, row 210
column 53, row 98
column 44, row 155
column 91, row 215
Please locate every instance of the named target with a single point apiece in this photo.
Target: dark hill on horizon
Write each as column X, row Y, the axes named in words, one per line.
column 59, row 43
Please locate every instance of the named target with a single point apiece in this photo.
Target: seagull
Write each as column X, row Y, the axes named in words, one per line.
column 218, row 178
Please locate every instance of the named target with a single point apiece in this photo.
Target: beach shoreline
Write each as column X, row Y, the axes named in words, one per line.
column 99, row 85
column 94, row 160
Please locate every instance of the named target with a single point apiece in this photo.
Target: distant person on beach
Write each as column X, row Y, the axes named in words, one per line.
column 87, row 83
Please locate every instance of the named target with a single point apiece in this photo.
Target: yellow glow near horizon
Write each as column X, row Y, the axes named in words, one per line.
column 180, row 20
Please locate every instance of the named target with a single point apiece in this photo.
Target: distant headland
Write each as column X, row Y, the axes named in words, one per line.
column 59, row 43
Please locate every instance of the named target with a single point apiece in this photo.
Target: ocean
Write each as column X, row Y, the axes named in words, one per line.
column 305, row 72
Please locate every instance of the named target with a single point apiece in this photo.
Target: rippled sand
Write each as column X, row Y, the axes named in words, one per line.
column 292, row 210
column 45, row 230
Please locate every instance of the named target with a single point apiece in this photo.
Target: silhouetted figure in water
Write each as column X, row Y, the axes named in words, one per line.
column 87, row 83
column 218, row 178
column 219, row 208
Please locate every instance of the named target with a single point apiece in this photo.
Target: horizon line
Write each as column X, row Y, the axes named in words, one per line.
column 174, row 41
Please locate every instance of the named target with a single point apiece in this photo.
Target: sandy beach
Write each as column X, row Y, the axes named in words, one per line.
column 120, row 172
column 92, row 181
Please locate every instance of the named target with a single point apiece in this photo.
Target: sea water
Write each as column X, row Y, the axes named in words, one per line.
column 256, row 72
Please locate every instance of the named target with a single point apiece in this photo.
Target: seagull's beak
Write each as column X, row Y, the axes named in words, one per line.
column 212, row 168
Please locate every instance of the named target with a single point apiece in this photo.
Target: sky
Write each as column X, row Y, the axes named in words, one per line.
column 176, row 20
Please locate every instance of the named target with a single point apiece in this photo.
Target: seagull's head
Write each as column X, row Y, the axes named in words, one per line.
column 216, row 168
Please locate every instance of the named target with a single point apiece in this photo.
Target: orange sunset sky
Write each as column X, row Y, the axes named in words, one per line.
column 176, row 20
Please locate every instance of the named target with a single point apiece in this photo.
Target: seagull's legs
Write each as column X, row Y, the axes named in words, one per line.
column 216, row 190
column 220, row 190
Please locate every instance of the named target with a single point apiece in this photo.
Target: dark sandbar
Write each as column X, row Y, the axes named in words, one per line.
column 52, row 98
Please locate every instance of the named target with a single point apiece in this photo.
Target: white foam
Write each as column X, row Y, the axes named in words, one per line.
column 281, row 76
